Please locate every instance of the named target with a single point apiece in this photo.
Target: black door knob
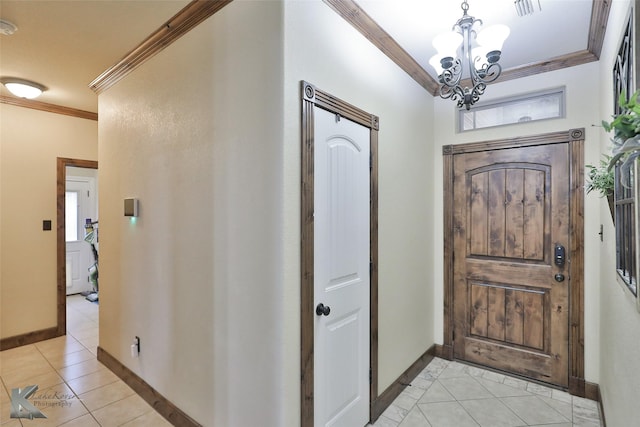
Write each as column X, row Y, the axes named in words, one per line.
column 559, row 277
column 322, row 309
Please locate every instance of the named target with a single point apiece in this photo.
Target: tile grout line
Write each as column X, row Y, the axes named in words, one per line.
column 493, row 396
column 118, row 380
column 458, row 401
column 540, row 395
column 537, row 396
column 497, row 398
column 4, row 386
column 66, row 383
column 53, row 354
column 76, row 394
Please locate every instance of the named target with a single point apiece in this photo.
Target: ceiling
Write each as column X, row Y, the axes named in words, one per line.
column 415, row 23
column 66, row 44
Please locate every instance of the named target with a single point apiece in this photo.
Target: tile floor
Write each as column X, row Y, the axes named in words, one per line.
column 453, row 394
column 74, row 389
column 77, row 390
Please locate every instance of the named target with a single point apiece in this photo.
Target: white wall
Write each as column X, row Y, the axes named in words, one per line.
column 580, row 113
column 620, row 321
column 321, row 48
column 30, row 142
column 196, row 135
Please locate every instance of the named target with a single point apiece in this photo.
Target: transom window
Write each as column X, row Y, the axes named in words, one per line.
column 548, row 104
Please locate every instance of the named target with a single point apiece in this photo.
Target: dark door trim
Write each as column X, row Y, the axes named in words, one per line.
column 575, row 139
column 312, row 96
column 61, row 179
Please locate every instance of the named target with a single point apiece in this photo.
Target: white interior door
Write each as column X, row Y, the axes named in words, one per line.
column 341, row 271
column 80, row 202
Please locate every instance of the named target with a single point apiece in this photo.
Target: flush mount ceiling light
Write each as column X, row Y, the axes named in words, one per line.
column 7, row 28
column 23, row 88
column 451, row 62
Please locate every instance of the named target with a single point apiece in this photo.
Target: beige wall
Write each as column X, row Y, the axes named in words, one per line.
column 620, row 320
column 321, row 48
column 207, row 136
column 196, row 135
column 208, row 276
column 30, row 142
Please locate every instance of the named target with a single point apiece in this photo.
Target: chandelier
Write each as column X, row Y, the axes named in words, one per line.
column 480, row 58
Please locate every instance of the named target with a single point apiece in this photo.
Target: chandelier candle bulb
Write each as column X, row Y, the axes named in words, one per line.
column 493, row 37
column 434, row 61
column 447, row 44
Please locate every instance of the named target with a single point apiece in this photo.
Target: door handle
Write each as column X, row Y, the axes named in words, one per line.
column 559, row 255
column 322, row 309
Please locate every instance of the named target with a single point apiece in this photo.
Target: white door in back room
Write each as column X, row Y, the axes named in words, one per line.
column 80, row 205
column 341, row 271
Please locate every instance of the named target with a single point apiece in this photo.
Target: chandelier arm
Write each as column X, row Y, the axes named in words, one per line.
column 451, row 76
column 445, row 94
column 475, row 93
column 455, row 93
column 488, row 73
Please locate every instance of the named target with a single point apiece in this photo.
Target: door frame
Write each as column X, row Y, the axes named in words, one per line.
column 575, row 138
column 312, row 96
column 61, row 270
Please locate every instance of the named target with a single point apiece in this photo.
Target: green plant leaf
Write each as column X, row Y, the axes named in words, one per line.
column 600, row 178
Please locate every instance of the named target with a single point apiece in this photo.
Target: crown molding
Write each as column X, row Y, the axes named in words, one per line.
column 51, row 108
column 351, row 12
column 557, row 63
column 181, row 23
column 598, row 26
column 199, row 10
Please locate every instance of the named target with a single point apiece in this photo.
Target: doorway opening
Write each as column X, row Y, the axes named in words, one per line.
column 81, row 232
column 76, row 237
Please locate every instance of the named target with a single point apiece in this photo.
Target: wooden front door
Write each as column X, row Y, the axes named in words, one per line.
column 511, row 210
